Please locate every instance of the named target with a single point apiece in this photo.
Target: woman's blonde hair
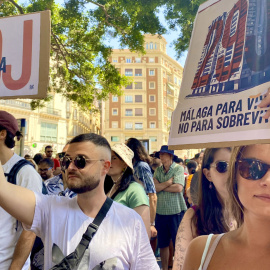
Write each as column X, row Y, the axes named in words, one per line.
column 237, row 208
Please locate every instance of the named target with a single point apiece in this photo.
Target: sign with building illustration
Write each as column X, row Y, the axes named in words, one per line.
column 227, row 74
column 24, row 55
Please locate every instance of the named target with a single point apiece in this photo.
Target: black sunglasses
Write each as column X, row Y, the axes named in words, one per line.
column 79, row 161
column 221, row 166
column 252, row 169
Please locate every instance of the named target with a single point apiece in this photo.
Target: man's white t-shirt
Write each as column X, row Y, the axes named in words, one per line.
column 10, row 228
column 120, row 240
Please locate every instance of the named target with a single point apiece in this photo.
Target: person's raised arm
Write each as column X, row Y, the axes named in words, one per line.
column 265, row 103
column 17, row 201
column 184, row 236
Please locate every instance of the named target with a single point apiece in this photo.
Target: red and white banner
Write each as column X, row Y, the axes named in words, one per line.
column 24, row 55
column 226, row 75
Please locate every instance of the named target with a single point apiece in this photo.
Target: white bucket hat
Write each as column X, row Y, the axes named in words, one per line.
column 125, row 153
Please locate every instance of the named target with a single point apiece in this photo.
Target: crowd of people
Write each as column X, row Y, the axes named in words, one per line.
column 102, row 206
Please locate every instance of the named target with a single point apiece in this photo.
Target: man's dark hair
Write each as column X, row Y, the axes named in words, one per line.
column 179, row 160
column 47, row 161
column 47, row 147
column 9, row 141
column 27, row 156
column 37, row 157
column 192, row 165
column 197, row 156
column 96, row 139
column 137, row 147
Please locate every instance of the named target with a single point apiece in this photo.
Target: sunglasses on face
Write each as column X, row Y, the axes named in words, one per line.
column 252, row 169
column 44, row 170
column 221, row 166
column 79, row 161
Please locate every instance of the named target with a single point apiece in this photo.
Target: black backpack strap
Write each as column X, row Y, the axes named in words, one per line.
column 73, row 260
column 12, row 175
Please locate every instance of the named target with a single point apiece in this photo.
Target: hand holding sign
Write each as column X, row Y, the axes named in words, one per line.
column 265, row 103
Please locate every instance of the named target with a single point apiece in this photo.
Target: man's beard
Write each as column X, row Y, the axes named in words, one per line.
column 87, row 184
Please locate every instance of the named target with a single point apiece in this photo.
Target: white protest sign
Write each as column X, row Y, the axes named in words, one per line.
column 24, row 55
column 227, row 73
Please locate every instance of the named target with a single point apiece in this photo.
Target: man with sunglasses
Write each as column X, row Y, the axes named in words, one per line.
column 49, row 153
column 121, row 241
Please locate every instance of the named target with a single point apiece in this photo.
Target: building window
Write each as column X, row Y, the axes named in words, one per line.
column 138, row 72
column 151, row 72
column 128, row 72
column 175, row 80
column 138, row 98
column 164, row 74
column 151, row 60
column 151, row 45
column 169, row 114
column 129, row 86
column 115, row 124
column 152, row 111
column 48, row 132
column 152, row 98
column 153, row 138
column 179, row 82
column 129, row 125
column 146, row 46
column 138, row 85
column 115, row 99
column 139, row 126
column 138, row 112
column 128, row 60
column 128, row 112
column 152, row 124
column 138, row 60
column 114, row 138
column 75, row 114
column 114, row 111
column 155, row 45
column 152, row 85
column 128, row 99
column 115, row 60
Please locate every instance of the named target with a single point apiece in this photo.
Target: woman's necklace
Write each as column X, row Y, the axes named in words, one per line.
column 115, row 186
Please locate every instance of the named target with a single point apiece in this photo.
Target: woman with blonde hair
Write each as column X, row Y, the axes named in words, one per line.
column 247, row 247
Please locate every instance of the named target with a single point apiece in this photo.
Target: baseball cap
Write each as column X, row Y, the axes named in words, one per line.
column 9, row 122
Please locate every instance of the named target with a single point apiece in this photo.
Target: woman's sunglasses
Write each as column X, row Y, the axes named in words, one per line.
column 252, row 169
column 79, row 161
column 221, row 166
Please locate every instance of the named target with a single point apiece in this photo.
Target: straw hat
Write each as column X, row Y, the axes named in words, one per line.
column 125, row 153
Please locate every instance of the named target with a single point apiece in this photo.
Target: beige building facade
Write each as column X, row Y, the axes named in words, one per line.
column 145, row 108
column 56, row 123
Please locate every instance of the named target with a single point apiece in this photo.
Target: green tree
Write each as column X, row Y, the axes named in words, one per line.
column 81, row 69
column 181, row 14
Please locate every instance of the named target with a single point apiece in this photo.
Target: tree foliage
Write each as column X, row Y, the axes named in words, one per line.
column 80, row 67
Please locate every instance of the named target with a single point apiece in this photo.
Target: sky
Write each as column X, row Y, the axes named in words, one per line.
column 170, row 37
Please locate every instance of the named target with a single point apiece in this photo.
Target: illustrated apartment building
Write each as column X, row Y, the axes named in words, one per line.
column 144, row 110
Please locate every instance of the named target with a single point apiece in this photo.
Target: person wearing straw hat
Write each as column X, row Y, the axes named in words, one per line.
column 169, row 181
column 125, row 189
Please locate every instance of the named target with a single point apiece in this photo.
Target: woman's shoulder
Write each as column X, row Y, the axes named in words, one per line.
column 196, row 249
column 135, row 186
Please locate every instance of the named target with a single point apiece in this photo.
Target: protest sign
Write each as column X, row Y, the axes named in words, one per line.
column 24, row 55
column 227, row 73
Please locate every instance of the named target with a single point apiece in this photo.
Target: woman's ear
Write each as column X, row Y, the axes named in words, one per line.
column 207, row 174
